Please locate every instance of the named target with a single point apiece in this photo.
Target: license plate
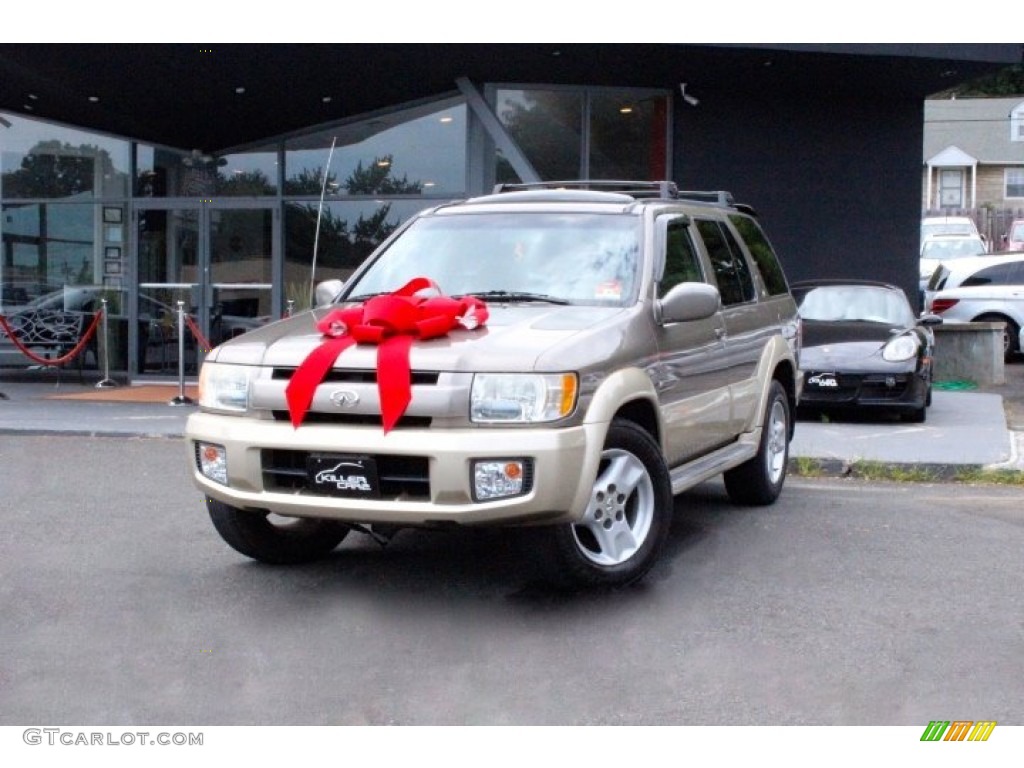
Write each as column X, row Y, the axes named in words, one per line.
column 823, row 380
column 338, row 475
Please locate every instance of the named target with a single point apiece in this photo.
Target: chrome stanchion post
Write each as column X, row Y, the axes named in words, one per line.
column 181, row 398
column 106, row 381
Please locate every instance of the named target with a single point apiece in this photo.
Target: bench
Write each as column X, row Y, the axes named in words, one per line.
column 53, row 332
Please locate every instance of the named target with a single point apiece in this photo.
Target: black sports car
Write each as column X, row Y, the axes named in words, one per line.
column 863, row 347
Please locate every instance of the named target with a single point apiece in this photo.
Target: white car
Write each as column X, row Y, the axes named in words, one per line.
column 947, row 225
column 993, row 269
column 984, row 303
column 937, row 249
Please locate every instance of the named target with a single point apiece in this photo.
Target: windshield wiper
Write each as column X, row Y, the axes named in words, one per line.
column 517, row 296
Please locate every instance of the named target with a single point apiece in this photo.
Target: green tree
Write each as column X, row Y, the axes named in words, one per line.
column 1005, row 82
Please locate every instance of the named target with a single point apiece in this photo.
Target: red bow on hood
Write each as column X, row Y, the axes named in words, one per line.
column 392, row 322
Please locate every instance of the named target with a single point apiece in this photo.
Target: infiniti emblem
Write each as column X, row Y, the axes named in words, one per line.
column 344, row 398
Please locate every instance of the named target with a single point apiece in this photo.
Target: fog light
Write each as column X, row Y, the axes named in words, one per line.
column 213, row 462
column 496, row 479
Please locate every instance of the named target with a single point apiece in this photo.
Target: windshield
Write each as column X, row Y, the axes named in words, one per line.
column 946, row 228
column 953, row 248
column 850, row 303
column 578, row 258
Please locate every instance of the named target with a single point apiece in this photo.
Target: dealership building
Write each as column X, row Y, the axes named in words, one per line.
column 149, row 177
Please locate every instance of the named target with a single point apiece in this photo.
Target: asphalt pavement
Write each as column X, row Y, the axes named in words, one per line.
column 963, row 430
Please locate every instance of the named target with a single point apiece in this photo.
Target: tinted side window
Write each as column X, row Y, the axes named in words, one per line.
column 1001, row 274
column 681, row 262
column 731, row 270
column 764, row 255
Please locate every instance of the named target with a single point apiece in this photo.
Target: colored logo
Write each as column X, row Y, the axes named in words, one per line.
column 958, row 730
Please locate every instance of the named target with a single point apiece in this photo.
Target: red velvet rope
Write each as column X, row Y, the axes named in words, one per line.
column 70, row 355
column 200, row 339
column 392, row 322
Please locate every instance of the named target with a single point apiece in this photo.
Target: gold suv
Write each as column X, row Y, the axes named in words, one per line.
column 566, row 356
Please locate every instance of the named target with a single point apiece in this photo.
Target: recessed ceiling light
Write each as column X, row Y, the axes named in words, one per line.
column 27, row 107
column 326, row 99
column 383, row 163
column 626, row 110
column 429, row 184
column 33, row 97
column 240, row 89
column 447, row 119
column 94, row 99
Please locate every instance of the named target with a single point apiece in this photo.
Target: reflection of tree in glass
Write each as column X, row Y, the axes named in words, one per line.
column 309, row 181
column 52, row 169
column 246, row 183
column 546, row 126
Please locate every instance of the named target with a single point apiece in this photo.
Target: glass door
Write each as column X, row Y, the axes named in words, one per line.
column 212, row 261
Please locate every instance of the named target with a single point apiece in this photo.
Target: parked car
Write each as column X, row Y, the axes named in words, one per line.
column 947, row 225
column 1013, row 240
column 993, row 269
column 863, row 347
column 937, row 249
column 605, row 346
column 988, row 302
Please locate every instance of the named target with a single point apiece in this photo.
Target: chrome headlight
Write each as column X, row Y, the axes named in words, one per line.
column 511, row 398
column 901, row 348
column 225, row 387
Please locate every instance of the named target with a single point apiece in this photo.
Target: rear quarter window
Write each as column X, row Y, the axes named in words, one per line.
column 763, row 253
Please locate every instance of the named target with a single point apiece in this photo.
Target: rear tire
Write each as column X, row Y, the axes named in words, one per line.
column 1011, row 334
column 261, row 537
column 759, row 481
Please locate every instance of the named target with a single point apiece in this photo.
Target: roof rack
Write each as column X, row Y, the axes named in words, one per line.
column 663, row 190
column 658, row 190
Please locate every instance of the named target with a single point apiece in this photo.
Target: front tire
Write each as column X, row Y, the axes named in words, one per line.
column 627, row 519
column 256, row 535
column 759, row 480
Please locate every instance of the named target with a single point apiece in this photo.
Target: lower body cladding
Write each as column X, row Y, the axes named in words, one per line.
column 409, row 477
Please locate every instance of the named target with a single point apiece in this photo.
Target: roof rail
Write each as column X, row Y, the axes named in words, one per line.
column 657, row 190
column 665, row 190
column 719, row 196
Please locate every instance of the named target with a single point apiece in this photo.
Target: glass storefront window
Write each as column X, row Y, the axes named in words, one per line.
column 588, row 133
column 169, row 173
column 412, row 152
column 349, row 231
column 628, row 135
column 46, row 247
column 548, row 127
column 41, row 160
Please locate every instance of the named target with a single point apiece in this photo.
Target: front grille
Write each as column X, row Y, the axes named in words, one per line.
column 401, row 477
column 336, row 376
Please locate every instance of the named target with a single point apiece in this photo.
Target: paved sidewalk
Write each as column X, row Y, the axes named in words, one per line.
column 963, row 429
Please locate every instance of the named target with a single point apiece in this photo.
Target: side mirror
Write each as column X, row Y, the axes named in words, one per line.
column 327, row 291
column 689, row 301
column 927, row 318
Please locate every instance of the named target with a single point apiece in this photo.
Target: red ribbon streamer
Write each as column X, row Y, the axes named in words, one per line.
column 392, row 322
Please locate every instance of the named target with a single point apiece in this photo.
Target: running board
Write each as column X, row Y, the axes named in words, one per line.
column 706, row 467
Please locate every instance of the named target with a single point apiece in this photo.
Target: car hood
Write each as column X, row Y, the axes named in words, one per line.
column 844, row 345
column 515, row 337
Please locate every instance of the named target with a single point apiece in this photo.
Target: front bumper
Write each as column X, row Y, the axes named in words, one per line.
column 897, row 391
column 260, row 451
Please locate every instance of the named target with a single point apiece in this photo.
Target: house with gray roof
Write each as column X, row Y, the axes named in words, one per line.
column 974, row 159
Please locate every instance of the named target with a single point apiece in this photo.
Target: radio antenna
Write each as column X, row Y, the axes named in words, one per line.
column 319, row 215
